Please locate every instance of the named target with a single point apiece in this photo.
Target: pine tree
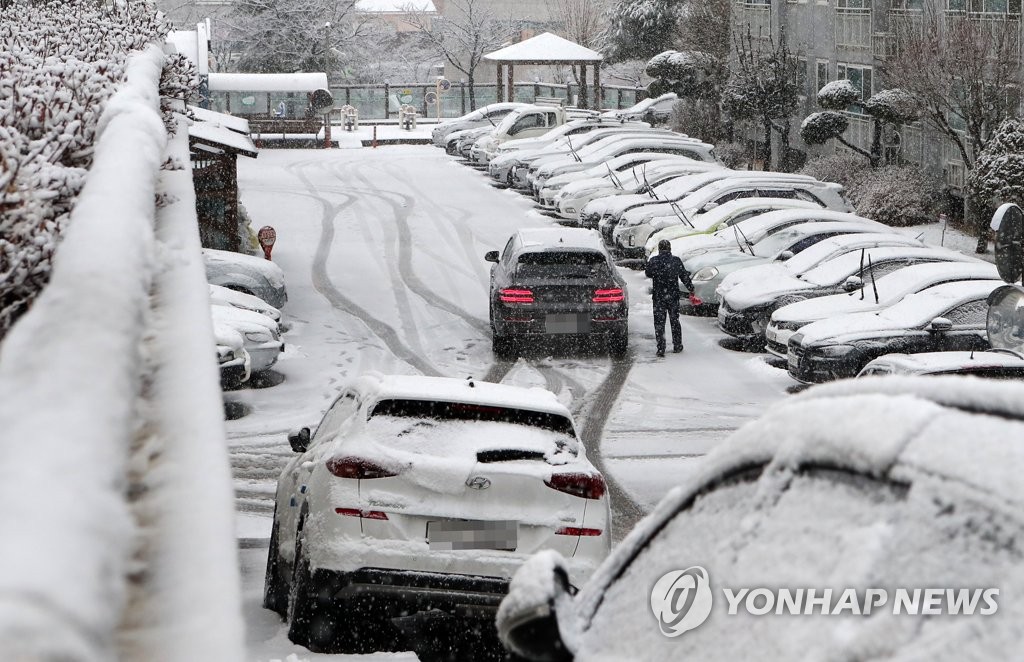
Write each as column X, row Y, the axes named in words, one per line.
column 998, row 174
column 640, row 29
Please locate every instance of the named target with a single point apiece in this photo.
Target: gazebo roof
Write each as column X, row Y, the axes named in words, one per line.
column 545, row 48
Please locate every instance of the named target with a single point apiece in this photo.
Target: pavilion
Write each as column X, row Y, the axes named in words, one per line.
column 547, row 49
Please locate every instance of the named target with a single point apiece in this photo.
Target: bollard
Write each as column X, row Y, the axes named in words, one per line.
column 374, row 136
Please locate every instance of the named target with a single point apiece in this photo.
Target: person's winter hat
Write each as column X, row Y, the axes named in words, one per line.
column 664, row 246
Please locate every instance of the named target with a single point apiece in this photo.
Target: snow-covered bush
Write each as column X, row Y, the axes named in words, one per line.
column 998, row 174
column 894, row 106
column 688, row 73
column 59, row 64
column 819, row 128
column 698, row 118
column 733, row 154
column 839, row 168
column 838, row 94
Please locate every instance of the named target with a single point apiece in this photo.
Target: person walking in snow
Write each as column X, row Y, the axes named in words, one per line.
column 666, row 271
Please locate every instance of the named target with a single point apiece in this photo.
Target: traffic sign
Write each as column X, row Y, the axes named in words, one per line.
column 444, row 84
column 430, row 97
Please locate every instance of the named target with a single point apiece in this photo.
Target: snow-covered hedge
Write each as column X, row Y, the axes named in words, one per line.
column 59, row 64
column 894, row 195
column 819, row 128
column 838, row 94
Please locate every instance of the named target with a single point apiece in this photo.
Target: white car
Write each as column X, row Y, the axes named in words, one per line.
column 489, row 115
column 222, row 296
column 247, row 274
column 744, row 212
column 234, row 362
column 890, row 288
column 636, row 226
column 426, row 493
column 658, row 109
column 991, row 363
column 261, row 334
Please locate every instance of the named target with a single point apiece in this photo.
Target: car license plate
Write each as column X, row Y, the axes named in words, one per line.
column 792, row 361
column 454, row 535
column 566, row 323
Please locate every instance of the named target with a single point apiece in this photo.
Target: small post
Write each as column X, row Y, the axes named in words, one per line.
column 387, row 100
column 375, row 136
column 327, row 130
column 944, row 219
column 462, row 95
column 267, row 236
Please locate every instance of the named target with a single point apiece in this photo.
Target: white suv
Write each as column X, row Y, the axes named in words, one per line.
column 425, row 494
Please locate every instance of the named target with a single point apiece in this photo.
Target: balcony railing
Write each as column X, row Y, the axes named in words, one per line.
column 755, row 15
column 853, row 28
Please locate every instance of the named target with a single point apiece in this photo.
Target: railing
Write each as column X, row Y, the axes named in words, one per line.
column 857, row 133
column 853, row 28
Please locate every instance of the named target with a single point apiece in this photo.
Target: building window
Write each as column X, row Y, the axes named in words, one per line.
column 821, row 75
column 857, row 74
column 906, row 5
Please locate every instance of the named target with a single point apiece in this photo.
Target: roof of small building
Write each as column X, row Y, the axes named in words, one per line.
column 297, row 82
column 545, row 48
column 233, row 122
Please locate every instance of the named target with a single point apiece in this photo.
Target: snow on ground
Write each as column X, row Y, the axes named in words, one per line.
column 383, row 253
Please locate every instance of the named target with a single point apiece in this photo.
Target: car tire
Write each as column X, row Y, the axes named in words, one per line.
column 618, row 345
column 504, row 347
column 275, row 588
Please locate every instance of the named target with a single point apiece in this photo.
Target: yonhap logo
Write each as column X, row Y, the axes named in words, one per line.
column 681, row 600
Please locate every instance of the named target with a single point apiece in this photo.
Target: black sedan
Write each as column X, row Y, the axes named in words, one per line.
column 946, row 317
column 557, row 282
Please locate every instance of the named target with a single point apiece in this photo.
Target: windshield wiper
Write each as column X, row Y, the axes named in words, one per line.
column 745, row 239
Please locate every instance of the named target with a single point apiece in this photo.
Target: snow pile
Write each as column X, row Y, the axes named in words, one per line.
column 59, row 65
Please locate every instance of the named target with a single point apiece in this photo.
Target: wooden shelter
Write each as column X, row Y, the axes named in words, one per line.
column 547, row 49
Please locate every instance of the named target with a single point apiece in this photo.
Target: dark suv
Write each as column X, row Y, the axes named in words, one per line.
column 557, row 282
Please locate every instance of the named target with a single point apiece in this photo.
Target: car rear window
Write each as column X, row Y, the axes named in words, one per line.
column 463, row 411
column 562, row 264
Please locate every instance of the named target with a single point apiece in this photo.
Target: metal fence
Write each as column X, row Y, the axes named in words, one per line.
column 383, row 101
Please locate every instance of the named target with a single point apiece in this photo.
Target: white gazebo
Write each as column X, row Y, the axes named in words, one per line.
column 547, row 49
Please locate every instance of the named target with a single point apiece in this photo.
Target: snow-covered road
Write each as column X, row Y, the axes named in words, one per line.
column 383, row 252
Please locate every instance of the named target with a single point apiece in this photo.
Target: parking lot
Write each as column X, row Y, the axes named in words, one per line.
column 383, row 255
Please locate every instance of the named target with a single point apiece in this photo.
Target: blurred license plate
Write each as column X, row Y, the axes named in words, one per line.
column 792, row 361
column 771, row 334
column 457, row 534
column 570, row 323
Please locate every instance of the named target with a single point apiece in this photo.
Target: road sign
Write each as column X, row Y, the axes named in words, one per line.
column 430, row 98
column 444, row 84
column 267, row 236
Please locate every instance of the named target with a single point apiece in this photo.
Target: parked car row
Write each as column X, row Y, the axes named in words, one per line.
column 246, row 293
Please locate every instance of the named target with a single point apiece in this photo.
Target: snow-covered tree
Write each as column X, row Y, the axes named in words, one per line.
column 59, row 64
column 469, row 31
column 838, row 95
column 697, row 79
column 639, row 29
column 998, row 174
column 763, row 88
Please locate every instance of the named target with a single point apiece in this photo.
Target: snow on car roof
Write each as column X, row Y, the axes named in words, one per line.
column 232, row 315
column 224, row 260
column 913, row 311
column 903, row 428
column 891, row 287
column 830, row 271
column 809, row 211
column 931, row 362
column 447, row 389
column 561, row 238
column 814, row 255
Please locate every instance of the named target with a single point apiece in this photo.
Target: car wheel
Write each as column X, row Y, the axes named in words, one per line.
column 275, row 588
column 618, row 345
column 503, row 346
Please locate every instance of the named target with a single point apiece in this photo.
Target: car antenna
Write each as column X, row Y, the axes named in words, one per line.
column 861, row 273
column 874, row 285
column 972, row 353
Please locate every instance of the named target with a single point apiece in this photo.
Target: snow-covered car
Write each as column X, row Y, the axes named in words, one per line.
column 749, row 322
column 770, row 548
column 567, row 201
column 556, row 282
column 422, row 496
column 231, row 356
column 707, row 270
column 509, row 154
column 991, row 364
column 612, row 147
column 223, row 296
column 947, row 317
column 744, row 212
column 656, row 110
column 884, row 289
column 524, row 163
column 490, row 115
column 261, row 335
column 635, row 226
column 458, row 143
column 247, row 274
column 531, row 121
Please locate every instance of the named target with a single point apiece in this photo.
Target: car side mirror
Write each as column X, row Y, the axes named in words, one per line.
column 299, row 440
column 709, row 206
column 528, row 617
column 853, row 283
column 784, row 255
column 940, row 324
column 491, row 256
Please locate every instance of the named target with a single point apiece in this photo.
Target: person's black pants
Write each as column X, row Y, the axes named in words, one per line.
column 667, row 305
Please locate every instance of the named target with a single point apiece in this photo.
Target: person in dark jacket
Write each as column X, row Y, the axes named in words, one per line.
column 666, row 271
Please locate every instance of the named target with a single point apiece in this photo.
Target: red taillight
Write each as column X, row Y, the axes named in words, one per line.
column 362, row 514
column 357, row 467
column 512, row 295
column 614, row 295
column 577, row 531
column 586, row 486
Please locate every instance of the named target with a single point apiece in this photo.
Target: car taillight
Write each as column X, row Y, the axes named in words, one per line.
column 586, row 486
column 614, row 295
column 362, row 514
column 577, row 531
column 513, row 295
column 356, row 467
